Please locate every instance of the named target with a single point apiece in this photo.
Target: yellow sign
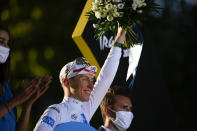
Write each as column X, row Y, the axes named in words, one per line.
column 78, row 39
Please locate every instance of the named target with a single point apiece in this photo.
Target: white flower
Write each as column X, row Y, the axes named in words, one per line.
column 121, row 6
column 103, row 14
column 100, row 9
column 94, row 7
column 138, row 3
column 121, row 14
column 110, row 18
column 98, row 14
column 116, row 14
column 134, row 6
column 109, row 6
column 95, row 25
column 115, row 6
column 114, row 9
column 139, row 11
column 144, row 4
column 97, row 1
column 117, row 1
column 108, row 0
column 105, row 10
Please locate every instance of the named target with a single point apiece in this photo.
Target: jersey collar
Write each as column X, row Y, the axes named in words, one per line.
column 72, row 101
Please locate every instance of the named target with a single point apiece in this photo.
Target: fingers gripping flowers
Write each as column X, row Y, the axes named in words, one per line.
column 109, row 14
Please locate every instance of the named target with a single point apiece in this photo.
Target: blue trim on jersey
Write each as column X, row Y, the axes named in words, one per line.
column 84, row 119
column 48, row 120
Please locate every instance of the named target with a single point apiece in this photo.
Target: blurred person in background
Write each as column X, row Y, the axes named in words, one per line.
column 26, row 94
column 116, row 109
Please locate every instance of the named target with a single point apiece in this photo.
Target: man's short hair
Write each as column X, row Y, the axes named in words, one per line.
column 109, row 99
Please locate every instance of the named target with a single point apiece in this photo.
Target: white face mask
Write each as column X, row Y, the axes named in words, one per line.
column 123, row 119
column 4, row 53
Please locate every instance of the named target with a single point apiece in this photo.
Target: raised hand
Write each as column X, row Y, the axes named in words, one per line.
column 26, row 90
column 41, row 88
column 121, row 35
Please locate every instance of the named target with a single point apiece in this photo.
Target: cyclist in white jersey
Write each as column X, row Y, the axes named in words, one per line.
column 81, row 96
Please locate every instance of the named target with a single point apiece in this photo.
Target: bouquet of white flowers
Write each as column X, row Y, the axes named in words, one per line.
column 107, row 15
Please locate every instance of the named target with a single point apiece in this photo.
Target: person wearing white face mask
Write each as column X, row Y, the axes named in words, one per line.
column 26, row 94
column 116, row 109
column 4, row 53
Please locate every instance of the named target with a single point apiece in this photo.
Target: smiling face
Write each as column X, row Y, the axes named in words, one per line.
column 81, row 86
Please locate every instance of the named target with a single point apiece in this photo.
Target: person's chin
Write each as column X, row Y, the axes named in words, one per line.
column 87, row 95
column 86, row 98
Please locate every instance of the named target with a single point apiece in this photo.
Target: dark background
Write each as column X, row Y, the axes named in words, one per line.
column 165, row 89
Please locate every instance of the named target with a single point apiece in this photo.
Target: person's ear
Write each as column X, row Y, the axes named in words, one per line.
column 66, row 82
column 107, row 112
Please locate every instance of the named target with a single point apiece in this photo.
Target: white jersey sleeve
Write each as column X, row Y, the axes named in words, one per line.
column 49, row 119
column 103, row 82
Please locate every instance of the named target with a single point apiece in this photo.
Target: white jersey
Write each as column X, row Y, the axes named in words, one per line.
column 73, row 110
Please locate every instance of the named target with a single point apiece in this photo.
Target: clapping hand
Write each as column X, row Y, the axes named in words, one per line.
column 40, row 88
column 27, row 95
column 29, row 92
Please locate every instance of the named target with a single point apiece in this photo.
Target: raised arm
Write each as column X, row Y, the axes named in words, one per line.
column 41, row 88
column 106, row 75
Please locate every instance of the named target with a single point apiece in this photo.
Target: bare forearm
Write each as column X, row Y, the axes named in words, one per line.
column 7, row 106
column 24, row 119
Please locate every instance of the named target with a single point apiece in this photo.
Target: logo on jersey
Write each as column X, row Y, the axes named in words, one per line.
column 74, row 116
column 48, row 120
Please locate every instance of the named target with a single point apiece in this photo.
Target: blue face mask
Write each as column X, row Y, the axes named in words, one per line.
column 4, row 53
